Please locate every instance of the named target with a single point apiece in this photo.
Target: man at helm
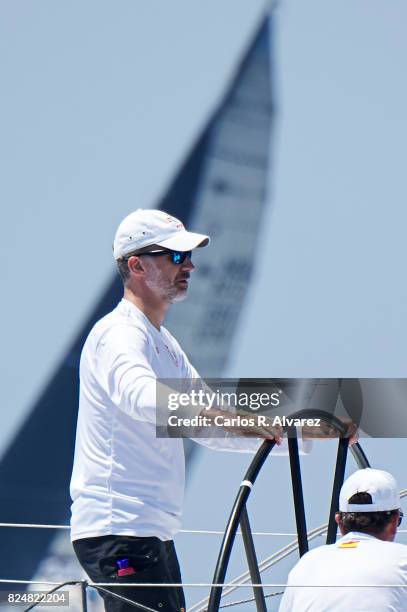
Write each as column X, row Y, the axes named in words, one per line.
column 127, row 485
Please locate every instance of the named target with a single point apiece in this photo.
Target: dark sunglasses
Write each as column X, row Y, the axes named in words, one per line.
column 177, row 257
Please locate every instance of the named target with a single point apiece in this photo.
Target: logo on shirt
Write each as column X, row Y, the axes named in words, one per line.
column 173, row 355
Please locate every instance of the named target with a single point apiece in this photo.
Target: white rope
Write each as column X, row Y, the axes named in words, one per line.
column 198, row 531
column 242, row 601
column 6, row 581
column 199, row 584
column 34, row 526
column 256, row 533
column 195, row 531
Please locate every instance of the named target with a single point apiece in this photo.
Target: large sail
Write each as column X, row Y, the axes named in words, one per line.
column 220, row 190
column 230, row 177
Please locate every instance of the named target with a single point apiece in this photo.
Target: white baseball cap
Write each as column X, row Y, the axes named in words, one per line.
column 379, row 484
column 143, row 228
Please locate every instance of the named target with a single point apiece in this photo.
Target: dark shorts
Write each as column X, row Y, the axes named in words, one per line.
column 153, row 561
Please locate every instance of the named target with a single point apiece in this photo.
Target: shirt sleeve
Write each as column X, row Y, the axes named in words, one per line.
column 123, row 369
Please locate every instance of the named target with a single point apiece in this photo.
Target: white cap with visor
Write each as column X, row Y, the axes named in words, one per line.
column 381, row 486
column 143, row 228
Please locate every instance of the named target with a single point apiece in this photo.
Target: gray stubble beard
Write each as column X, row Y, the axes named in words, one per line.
column 168, row 292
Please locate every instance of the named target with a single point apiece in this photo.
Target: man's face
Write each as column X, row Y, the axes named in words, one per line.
column 167, row 280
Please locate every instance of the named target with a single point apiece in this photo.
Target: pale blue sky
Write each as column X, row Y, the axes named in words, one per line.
column 331, row 295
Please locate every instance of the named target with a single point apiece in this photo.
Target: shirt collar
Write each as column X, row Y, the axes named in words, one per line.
column 135, row 312
column 356, row 535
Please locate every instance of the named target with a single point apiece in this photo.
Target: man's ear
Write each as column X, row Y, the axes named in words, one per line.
column 135, row 265
column 392, row 528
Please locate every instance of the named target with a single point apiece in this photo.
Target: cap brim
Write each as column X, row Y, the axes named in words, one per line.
column 185, row 241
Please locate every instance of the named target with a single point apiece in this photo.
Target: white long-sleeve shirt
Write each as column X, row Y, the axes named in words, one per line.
column 358, row 573
column 125, row 480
